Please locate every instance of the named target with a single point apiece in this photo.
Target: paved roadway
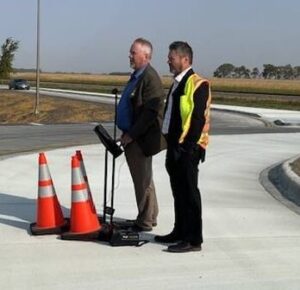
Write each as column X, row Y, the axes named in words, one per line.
column 18, row 139
column 28, row 138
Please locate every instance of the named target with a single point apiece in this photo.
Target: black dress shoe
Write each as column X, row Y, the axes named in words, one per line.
column 170, row 238
column 137, row 228
column 184, row 247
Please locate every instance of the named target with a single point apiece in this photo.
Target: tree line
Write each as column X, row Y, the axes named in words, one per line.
column 286, row 72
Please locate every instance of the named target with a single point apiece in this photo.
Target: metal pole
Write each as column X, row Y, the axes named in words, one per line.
column 37, row 98
column 114, row 91
column 105, row 186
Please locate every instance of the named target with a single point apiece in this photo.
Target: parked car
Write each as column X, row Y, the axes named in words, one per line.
column 19, row 84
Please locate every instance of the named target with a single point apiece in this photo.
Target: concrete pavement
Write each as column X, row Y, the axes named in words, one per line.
column 251, row 241
column 280, row 180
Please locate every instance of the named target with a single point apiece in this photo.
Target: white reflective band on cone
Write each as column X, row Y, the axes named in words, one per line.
column 79, row 195
column 46, row 191
column 44, row 173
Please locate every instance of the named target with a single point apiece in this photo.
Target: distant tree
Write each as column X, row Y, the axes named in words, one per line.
column 246, row 72
column 224, row 71
column 296, row 72
column 242, row 72
column 255, row 73
column 287, row 72
column 278, row 72
column 8, row 49
column 269, row 71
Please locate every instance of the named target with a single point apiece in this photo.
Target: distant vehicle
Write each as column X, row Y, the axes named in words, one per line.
column 19, row 84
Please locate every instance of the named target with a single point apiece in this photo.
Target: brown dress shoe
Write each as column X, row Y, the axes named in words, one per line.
column 131, row 222
column 169, row 238
column 137, row 228
column 184, row 247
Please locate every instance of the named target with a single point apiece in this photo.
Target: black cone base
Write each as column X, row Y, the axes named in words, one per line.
column 35, row 230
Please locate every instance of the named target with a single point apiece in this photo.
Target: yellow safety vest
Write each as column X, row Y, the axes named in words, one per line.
column 187, row 106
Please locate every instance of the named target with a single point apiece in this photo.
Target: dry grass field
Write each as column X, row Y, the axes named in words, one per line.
column 17, row 107
column 75, row 78
column 281, row 94
column 281, row 87
column 278, row 87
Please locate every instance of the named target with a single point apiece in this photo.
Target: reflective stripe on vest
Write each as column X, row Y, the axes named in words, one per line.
column 187, row 107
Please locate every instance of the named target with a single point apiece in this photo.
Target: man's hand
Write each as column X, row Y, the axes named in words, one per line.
column 126, row 139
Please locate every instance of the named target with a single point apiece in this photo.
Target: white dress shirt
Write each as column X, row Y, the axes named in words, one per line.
column 167, row 118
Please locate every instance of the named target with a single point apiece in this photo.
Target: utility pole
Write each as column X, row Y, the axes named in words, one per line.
column 37, row 98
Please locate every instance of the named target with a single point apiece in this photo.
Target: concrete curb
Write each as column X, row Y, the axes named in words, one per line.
column 284, row 184
column 224, row 109
column 279, row 122
column 253, row 115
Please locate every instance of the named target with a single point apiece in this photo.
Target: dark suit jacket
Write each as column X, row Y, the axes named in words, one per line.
column 148, row 103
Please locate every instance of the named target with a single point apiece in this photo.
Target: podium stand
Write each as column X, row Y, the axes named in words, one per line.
column 115, row 150
column 114, row 235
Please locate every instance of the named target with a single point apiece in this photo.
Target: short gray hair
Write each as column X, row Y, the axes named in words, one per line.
column 146, row 44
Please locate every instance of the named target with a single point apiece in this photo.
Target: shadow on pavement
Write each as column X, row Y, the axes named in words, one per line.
column 21, row 209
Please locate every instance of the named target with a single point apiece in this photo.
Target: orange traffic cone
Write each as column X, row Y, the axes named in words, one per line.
column 84, row 223
column 82, row 167
column 50, row 218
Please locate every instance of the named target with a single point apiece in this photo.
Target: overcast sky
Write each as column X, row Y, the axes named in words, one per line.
column 95, row 35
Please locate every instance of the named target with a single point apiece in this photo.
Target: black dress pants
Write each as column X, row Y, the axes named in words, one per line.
column 182, row 167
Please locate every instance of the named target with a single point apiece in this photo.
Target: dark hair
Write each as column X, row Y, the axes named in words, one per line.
column 182, row 48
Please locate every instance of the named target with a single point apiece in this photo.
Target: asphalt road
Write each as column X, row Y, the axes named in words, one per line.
column 30, row 138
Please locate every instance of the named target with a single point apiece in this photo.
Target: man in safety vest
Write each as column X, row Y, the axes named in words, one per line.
column 186, row 126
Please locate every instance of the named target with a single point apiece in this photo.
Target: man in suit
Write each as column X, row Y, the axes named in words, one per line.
column 186, row 126
column 139, row 116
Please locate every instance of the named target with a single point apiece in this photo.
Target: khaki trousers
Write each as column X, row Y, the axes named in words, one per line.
column 140, row 168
